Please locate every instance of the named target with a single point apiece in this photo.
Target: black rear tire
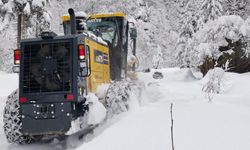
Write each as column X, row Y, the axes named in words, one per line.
column 12, row 121
column 117, row 98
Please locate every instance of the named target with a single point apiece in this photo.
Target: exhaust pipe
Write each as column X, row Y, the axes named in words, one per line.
column 72, row 21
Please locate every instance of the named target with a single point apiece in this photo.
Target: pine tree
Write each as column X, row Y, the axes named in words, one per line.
column 236, row 7
column 211, row 10
column 158, row 58
column 35, row 20
column 188, row 26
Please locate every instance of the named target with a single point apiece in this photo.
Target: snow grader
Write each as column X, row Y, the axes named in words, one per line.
column 57, row 72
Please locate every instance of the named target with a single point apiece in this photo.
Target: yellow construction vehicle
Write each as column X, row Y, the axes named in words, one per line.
column 57, row 72
column 108, row 60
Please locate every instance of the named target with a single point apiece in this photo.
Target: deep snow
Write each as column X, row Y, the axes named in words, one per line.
column 222, row 124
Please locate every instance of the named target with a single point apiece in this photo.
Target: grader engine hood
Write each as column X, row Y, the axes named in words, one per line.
column 47, row 66
column 48, row 83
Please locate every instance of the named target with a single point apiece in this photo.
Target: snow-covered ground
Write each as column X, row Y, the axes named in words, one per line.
column 222, row 124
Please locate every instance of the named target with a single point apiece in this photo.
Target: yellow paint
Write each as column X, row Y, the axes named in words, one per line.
column 100, row 73
column 97, row 16
column 107, row 15
column 65, row 18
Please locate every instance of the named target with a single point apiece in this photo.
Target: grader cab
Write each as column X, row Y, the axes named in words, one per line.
column 57, row 72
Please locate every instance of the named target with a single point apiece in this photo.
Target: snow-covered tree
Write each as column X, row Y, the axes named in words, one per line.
column 236, row 7
column 219, row 41
column 183, row 55
column 159, row 23
column 35, row 19
column 188, row 26
column 214, row 83
column 33, row 12
column 189, row 17
column 211, row 10
column 149, row 17
column 158, row 58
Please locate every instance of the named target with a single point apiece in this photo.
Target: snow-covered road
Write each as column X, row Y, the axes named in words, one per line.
column 222, row 124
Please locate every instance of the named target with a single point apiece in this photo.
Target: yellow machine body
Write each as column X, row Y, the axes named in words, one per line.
column 100, row 65
column 97, row 16
column 100, row 54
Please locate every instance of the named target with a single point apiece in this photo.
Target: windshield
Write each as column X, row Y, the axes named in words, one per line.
column 104, row 29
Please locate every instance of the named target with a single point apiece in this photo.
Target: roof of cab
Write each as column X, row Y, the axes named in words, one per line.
column 105, row 15
column 97, row 16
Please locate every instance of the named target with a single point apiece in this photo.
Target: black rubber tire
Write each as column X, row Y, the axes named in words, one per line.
column 117, row 98
column 12, row 121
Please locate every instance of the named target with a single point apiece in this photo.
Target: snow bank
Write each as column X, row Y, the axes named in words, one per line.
column 228, row 80
column 198, row 125
column 8, row 83
column 214, row 84
column 184, row 74
column 95, row 115
column 135, row 103
column 77, row 125
column 102, row 90
column 97, row 112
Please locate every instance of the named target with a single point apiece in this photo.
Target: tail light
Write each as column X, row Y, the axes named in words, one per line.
column 17, row 56
column 22, row 99
column 70, row 97
column 81, row 52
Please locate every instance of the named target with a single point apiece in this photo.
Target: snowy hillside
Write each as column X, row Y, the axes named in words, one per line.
column 163, row 26
column 154, row 28
column 222, row 124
